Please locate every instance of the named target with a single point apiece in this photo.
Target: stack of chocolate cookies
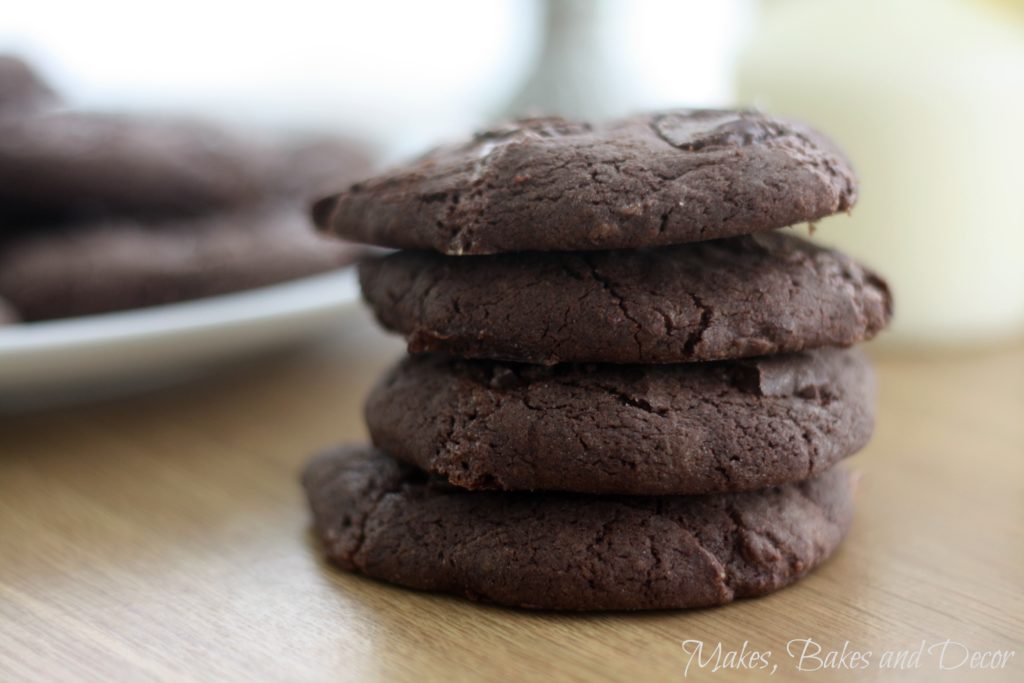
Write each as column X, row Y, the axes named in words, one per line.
column 625, row 389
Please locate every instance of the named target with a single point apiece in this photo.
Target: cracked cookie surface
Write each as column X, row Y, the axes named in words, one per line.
column 625, row 429
column 729, row 298
column 550, row 184
column 388, row 521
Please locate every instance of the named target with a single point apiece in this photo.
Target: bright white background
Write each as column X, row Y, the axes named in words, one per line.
column 403, row 73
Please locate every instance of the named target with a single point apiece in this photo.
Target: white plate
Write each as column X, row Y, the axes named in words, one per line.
column 77, row 358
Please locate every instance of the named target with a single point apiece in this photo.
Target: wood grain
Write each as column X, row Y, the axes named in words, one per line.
column 165, row 537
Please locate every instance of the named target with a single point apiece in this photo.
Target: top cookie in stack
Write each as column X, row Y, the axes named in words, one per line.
column 619, row 332
column 660, row 179
column 550, row 184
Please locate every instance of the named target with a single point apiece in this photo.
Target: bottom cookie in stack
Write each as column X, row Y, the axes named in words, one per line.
column 565, row 551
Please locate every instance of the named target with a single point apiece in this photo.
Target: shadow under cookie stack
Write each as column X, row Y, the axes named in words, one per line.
column 626, row 390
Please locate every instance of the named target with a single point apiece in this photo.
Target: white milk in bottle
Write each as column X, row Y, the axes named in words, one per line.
column 927, row 97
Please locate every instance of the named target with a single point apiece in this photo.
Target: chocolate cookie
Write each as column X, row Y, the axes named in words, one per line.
column 22, row 91
column 729, row 298
column 572, row 552
column 551, row 184
column 115, row 265
column 630, row 429
column 86, row 166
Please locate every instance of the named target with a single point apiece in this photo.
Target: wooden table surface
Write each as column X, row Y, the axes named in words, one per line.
column 165, row 537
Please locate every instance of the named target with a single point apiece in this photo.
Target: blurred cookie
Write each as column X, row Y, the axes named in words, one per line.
column 552, row 184
column 116, row 265
column 22, row 90
column 728, row 298
column 79, row 166
column 627, row 429
column 386, row 520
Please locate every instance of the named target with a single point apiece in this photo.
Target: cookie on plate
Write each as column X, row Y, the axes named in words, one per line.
column 625, row 429
column 390, row 522
column 63, row 166
column 728, row 298
column 123, row 264
column 552, row 184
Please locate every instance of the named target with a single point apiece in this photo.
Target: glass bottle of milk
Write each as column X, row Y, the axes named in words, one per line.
column 927, row 97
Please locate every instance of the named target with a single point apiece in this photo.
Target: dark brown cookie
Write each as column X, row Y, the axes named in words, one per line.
column 729, row 298
column 551, row 184
column 115, row 265
column 74, row 164
column 82, row 166
column 571, row 552
column 629, row 429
